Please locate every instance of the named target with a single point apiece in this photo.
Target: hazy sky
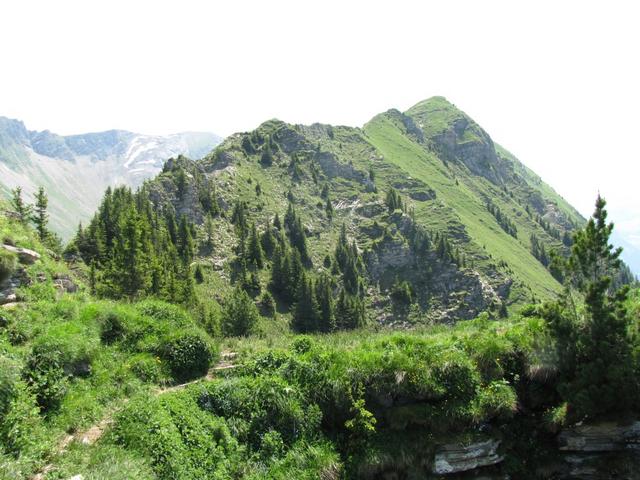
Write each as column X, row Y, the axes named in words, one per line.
column 557, row 83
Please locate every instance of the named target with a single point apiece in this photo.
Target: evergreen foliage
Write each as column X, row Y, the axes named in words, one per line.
column 240, row 314
column 503, row 220
column 137, row 250
column 22, row 208
column 593, row 344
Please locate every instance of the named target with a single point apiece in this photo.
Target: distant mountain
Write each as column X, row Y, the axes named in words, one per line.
column 473, row 228
column 75, row 170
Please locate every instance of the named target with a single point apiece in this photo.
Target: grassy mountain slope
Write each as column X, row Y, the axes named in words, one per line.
column 451, row 176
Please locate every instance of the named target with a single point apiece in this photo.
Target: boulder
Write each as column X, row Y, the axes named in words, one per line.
column 456, row 457
column 65, row 284
column 25, row 255
column 600, row 437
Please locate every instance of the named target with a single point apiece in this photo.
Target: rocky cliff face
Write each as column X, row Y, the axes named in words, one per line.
column 75, row 170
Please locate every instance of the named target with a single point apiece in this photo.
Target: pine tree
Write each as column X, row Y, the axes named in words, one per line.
column 41, row 217
column 255, row 254
column 240, row 314
column 209, row 230
column 324, row 294
column 276, row 222
column 22, row 209
column 307, row 312
column 329, row 209
column 593, row 344
column 185, row 241
column 268, row 241
column 394, row 200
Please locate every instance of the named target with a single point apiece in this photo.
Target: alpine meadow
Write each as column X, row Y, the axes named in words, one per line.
column 401, row 300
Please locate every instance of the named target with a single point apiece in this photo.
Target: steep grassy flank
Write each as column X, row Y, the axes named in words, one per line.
column 458, row 190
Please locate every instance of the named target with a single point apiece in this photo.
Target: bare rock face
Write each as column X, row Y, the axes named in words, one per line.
column 600, row 437
column 456, row 458
column 26, row 256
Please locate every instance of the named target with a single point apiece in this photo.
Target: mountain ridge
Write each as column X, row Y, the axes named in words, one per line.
column 497, row 219
column 75, row 169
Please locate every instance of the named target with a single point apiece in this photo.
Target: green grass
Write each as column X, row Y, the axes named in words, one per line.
column 463, row 201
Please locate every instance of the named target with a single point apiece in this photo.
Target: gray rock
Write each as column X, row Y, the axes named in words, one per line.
column 25, row 255
column 65, row 284
column 456, row 458
column 600, row 437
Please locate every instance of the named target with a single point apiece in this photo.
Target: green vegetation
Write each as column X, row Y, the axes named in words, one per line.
column 189, row 332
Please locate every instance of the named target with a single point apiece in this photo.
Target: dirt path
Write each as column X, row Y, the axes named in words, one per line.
column 93, row 433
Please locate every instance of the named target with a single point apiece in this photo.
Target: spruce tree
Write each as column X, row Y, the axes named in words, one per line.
column 41, row 217
column 255, row 254
column 22, row 209
column 307, row 312
column 593, row 344
column 240, row 314
column 324, row 294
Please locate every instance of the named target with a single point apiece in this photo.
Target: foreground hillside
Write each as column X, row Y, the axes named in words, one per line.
column 75, row 170
column 400, row 301
column 141, row 390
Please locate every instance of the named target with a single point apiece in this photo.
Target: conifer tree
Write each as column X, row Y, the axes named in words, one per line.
column 22, row 209
column 268, row 241
column 240, row 314
column 593, row 344
column 209, row 230
column 307, row 312
column 255, row 254
column 329, row 209
column 324, row 294
column 41, row 217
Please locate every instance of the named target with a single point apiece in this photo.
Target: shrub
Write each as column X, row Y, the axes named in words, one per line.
column 268, row 304
column 240, row 314
column 8, row 378
column 188, row 354
column 302, row 344
column 111, row 327
column 182, row 440
column 147, row 368
column 44, row 372
column 496, row 400
column 164, row 312
column 262, row 405
column 402, row 292
column 8, row 264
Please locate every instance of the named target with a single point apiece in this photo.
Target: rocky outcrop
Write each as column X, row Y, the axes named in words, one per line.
column 26, row 256
column 8, row 293
column 600, row 437
column 456, row 457
column 64, row 284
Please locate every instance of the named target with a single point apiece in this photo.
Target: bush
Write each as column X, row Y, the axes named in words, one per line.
column 8, row 378
column 8, row 264
column 260, row 405
column 188, row 355
column 182, row 440
column 164, row 312
column 148, row 368
column 402, row 292
column 111, row 327
column 268, row 304
column 240, row 314
column 44, row 372
column 497, row 400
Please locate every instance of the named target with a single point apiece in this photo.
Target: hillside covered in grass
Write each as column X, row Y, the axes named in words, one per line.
column 442, row 223
column 400, row 301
